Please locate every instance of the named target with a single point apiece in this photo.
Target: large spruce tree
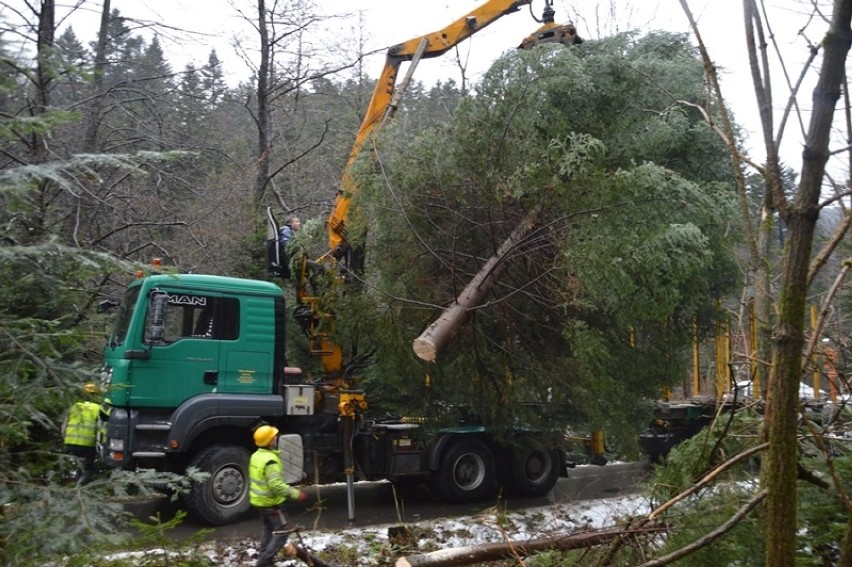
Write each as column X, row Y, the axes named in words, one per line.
column 595, row 306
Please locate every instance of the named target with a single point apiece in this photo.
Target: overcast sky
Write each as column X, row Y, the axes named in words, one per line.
column 386, row 22
column 218, row 25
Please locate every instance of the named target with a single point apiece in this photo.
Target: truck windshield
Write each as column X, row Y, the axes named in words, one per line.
column 125, row 314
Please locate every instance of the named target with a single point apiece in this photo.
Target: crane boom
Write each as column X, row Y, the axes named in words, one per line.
column 316, row 321
column 383, row 102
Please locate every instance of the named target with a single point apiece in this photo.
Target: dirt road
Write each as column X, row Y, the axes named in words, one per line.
column 375, row 503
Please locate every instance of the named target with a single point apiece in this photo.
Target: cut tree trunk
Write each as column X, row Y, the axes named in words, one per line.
column 310, row 559
column 444, row 328
column 496, row 551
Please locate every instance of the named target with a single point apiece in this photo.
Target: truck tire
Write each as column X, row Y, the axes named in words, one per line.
column 466, row 473
column 223, row 498
column 534, row 472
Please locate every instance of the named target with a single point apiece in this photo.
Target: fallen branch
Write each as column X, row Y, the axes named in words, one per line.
column 310, row 559
column 707, row 478
column 475, row 554
column 709, row 538
column 298, row 549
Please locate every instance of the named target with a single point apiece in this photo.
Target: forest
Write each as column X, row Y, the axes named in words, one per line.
column 647, row 229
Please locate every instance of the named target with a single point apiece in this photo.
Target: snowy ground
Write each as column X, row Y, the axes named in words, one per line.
column 372, row 546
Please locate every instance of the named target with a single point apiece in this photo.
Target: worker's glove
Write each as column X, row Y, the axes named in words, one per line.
column 302, row 496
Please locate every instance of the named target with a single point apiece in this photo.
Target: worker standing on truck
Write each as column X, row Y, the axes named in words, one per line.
column 80, row 434
column 267, row 493
column 291, row 226
column 283, row 254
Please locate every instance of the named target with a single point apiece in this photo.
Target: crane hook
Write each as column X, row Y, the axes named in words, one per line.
column 549, row 14
column 549, row 32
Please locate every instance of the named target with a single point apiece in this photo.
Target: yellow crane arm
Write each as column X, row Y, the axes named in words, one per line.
column 317, row 321
column 382, row 104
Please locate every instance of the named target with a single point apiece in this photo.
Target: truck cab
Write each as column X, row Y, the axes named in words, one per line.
column 194, row 363
column 179, row 336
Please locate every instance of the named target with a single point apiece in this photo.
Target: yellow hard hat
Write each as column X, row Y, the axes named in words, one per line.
column 91, row 388
column 264, row 434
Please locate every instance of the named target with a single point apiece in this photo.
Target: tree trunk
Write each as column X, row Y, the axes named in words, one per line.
column 780, row 468
column 93, row 113
column 309, row 558
column 773, row 201
column 45, row 71
column 438, row 334
column 264, row 112
column 475, row 554
column 43, row 82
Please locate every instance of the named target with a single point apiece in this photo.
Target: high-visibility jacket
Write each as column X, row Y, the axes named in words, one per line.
column 266, row 480
column 105, row 409
column 81, row 428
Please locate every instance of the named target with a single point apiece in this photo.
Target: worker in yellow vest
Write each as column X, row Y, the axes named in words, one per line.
column 267, row 493
column 80, row 434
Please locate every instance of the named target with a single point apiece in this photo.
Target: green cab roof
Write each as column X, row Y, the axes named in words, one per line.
column 203, row 282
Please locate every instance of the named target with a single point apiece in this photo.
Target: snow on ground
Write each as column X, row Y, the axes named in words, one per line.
column 492, row 526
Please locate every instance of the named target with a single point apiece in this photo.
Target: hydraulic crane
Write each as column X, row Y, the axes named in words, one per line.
column 341, row 256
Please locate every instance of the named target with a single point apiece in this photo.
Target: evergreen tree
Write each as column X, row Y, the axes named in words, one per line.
column 213, row 81
column 189, row 113
column 599, row 299
column 74, row 64
column 53, row 275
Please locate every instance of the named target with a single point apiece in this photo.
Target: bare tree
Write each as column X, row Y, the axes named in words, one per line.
column 799, row 214
column 288, row 62
column 780, row 470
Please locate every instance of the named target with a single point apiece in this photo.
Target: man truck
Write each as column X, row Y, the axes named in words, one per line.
column 197, row 362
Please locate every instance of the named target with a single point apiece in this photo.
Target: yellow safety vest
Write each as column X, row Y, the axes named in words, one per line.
column 81, row 428
column 267, row 487
column 104, row 409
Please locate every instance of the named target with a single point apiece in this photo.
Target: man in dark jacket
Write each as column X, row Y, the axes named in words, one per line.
column 291, row 227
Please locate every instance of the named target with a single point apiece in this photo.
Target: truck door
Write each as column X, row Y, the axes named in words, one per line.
column 247, row 362
column 186, row 360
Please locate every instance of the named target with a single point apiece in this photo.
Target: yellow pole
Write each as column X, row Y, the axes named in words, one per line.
column 729, row 339
column 598, row 443
column 720, row 357
column 696, row 372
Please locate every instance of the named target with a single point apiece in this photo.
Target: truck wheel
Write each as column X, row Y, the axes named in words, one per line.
column 223, row 498
column 535, row 472
column 466, row 473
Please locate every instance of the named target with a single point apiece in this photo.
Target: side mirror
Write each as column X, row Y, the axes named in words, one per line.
column 157, row 303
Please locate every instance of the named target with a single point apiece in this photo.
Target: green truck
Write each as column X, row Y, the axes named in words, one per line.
column 197, row 362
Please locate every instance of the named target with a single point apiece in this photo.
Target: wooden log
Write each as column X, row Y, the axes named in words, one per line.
column 309, row 558
column 444, row 328
column 474, row 554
